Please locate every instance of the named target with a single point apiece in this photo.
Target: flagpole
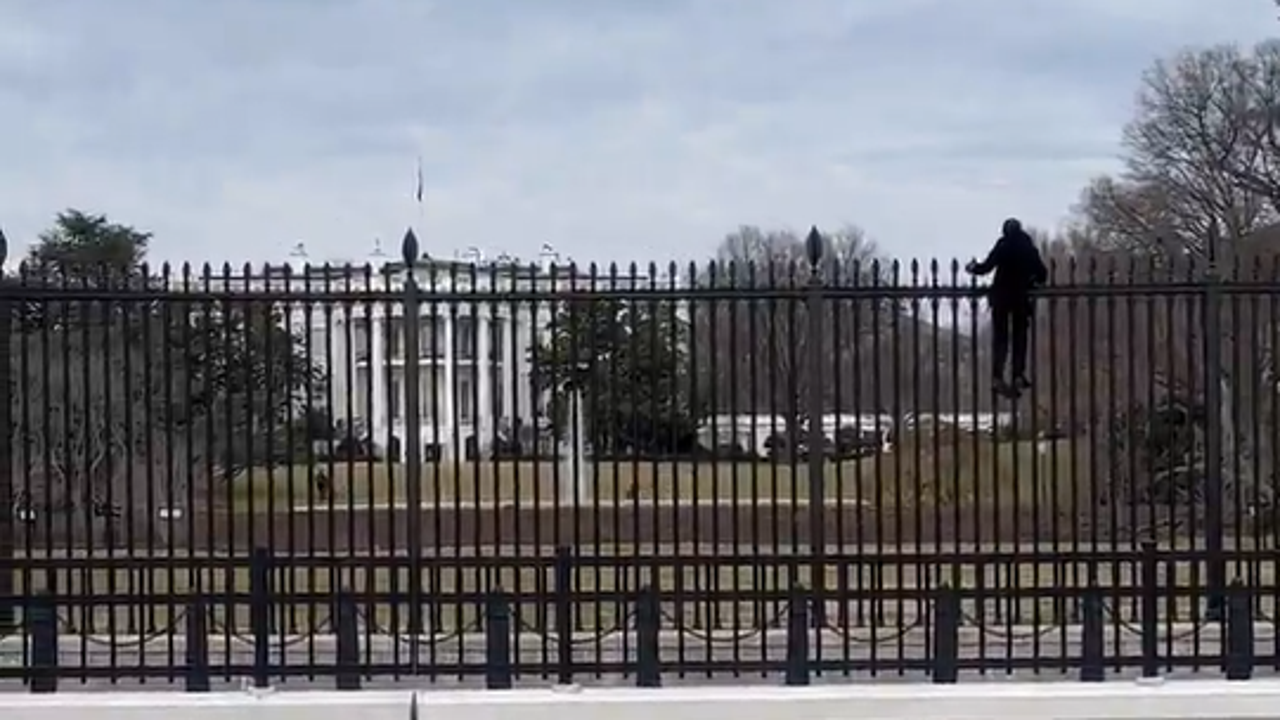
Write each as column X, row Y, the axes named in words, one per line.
column 418, row 197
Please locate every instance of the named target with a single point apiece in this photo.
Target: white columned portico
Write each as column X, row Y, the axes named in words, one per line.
column 483, row 378
column 448, row 415
column 510, row 364
column 381, row 422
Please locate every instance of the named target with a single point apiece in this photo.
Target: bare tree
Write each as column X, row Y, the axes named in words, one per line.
column 1197, row 146
column 1197, row 194
column 755, row 353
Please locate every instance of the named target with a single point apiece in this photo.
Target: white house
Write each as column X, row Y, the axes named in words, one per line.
column 472, row 363
column 474, row 355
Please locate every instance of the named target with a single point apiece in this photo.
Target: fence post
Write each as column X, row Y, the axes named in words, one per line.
column 413, row 430
column 1239, row 635
column 1092, row 660
column 260, row 615
column 648, row 640
column 798, row 637
column 197, row 653
column 42, row 626
column 563, row 594
column 946, row 635
column 1213, row 511
column 497, row 642
column 817, row 460
column 1150, row 610
column 348, row 675
column 8, row 508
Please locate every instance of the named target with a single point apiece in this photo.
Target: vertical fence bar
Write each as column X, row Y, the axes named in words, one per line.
column 1234, row 440
column 440, row 401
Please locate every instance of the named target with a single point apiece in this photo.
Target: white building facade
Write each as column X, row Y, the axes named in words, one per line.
column 473, row 354
column 473, row 363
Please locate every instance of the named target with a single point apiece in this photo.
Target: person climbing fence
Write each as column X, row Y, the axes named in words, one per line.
column 1019, row 269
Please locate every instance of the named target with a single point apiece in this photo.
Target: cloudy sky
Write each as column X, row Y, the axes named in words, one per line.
column 616, row 130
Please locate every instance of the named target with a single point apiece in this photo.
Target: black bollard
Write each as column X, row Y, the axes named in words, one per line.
column 42, row 626
column 648, row 643
column 197, row 646
column 798, row 637
column 1239, row 639
column 1150, row 602
column 348, row 675
column 497, row 642
column 946, row 635
column 260, row 615
column 1092, row 660
column 564, row 614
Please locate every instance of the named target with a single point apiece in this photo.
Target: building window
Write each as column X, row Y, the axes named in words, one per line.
column 361, row 396
column 464, row 338
column 393, row 400
column 498, row 390
column 429, row 343
column 395, row 338
column 360, row 339
column 466, row 400
column 497, row 341
column 428, row 395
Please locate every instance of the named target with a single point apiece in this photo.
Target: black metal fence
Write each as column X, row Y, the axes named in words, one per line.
column 499, row 473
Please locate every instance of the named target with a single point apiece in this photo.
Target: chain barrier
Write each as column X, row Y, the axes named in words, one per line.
column 1007, row 634
column 1117, row 619
column 709, row 638
column 847, row 634
column 430, row 640
column 620, row 627
column 228, row 631
column 111, row 641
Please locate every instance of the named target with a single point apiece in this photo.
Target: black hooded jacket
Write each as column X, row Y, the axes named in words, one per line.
column 1017, row 264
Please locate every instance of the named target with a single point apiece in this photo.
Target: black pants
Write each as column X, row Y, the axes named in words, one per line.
column 1011, row 317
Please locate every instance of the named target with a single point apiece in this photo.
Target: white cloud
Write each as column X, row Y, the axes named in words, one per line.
column 630, row 130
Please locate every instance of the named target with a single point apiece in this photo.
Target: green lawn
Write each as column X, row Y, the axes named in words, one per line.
column 922, row 472
column 919, row 473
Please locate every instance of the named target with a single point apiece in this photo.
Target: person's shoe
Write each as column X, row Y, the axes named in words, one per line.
column 1021, row 383
column 1000, row 387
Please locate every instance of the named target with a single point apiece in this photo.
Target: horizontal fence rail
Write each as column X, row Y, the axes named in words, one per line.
column 500, row 474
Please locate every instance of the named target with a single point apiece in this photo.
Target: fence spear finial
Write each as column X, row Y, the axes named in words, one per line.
column 409, row 248
column 813, row 247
